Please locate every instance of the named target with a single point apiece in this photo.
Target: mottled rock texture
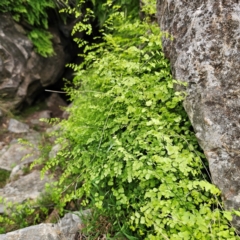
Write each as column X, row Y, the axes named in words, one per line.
column 24, row 73
column 66, row 229
column 15, row 126
column 205, row 53
column 25, row 187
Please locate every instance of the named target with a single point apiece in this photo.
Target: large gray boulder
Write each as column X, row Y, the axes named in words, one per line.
column 205, row 52
column 23, row 72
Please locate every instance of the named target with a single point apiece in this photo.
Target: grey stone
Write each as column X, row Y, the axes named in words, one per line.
column 205, row 53
column 53, row 129
column 20, row 156
column 29, row 186
column 33, row 137
column 36, row 117
column 18, row 153
column 52, row 132
column 38, row 232
column 1, row 206
column 65, row 229
column 17, row 171
column 55, row 149
column 66, row 114
column 15, row 126
column 71, row 223
column 3, row 237
column 2, row 151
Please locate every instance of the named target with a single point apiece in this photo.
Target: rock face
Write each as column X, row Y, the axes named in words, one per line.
column 23, row 73
column 205, row 53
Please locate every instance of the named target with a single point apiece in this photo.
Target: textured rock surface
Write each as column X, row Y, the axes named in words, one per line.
column 205, row 53
column 66, row 228
column 16, row 153
column 17, row 127
column 35, row 119
column 26, row 187
column 23, row 73
column 16, row 158
column 55, row 149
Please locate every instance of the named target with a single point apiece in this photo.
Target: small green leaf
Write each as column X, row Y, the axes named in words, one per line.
column 149, row 103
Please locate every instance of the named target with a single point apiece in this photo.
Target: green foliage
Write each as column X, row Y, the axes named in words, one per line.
column 128, row 147
column 149, row 7
column 96, row 224
column 34, row 13
column 4, row 175
column 105, row 8
column 102, row 9
column 21, row 215
column 41, row 39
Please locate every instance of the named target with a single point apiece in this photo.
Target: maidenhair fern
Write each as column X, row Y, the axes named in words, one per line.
column 35, row 13
column 42, row 41
column 128, row 148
